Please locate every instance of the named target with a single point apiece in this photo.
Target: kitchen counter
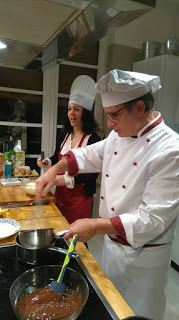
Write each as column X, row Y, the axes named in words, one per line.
column 46, row 216
column 16, row 194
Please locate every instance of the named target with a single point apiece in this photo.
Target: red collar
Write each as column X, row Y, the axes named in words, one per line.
column 153, row 125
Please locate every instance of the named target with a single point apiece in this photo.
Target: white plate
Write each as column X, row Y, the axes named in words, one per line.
column 11, row 179
column 10, row 183
column 8, row 227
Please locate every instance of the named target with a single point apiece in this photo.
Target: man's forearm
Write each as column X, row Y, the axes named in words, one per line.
column 61, row 166
column 103, row 226
column 87, row 228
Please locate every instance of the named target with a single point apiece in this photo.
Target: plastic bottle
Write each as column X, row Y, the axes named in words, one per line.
column 17, row 146
column 8, row 166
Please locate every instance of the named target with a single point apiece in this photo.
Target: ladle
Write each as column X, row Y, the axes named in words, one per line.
column 58, row 286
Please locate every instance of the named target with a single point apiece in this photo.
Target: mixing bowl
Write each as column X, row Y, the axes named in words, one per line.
column 29, row 186
column 39, row 277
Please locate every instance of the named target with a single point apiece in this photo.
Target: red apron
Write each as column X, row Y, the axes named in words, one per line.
column 73, row 203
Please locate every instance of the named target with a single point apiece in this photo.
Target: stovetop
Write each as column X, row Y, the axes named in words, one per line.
column 96, row 307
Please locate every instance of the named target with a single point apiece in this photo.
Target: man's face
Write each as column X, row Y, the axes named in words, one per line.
column 124, row 123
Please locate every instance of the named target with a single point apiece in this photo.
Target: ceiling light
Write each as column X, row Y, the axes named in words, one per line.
column 2, row 45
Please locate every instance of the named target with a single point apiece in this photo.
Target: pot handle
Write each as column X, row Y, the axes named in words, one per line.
column 60, row 234
column 63, row 251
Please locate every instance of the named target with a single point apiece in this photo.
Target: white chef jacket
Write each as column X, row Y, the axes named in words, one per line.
column 140, row 195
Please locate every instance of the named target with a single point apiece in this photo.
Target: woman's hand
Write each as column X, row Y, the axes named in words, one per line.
column 42, row 162
column 60, row 181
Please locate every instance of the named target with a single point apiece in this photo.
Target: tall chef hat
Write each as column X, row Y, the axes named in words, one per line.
column 118, row 86
column 83, row 92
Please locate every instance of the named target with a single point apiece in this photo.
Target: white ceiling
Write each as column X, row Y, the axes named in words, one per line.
column 32, row 22
column 28, row 25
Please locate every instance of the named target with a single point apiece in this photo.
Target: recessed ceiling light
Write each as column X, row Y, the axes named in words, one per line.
column 2, row 45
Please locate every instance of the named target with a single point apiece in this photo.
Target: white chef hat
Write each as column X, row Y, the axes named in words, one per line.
column 118, row 86
column 83, row 92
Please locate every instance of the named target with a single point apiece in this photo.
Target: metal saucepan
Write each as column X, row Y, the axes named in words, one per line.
column 38, row 238
column 29, row 253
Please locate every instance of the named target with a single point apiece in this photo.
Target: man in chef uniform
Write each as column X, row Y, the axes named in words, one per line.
column 139, row 203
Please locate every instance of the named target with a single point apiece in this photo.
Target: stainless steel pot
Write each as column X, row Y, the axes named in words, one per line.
column 36, row 238
column 34, row 256
column 171, row 46
column 150, row 49
column 29, row 256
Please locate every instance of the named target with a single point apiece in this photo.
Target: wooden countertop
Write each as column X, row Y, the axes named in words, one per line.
column 48, row 216
column 16, row 194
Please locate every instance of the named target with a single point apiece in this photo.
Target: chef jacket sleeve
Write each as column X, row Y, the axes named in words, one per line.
column 90, row 158
column 154, row 220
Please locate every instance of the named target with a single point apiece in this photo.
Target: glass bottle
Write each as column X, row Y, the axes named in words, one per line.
column 11, row 143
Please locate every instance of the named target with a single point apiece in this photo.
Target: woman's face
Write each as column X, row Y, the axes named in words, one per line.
column 75, row 115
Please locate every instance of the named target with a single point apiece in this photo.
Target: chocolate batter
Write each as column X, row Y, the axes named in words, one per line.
column 46, row 304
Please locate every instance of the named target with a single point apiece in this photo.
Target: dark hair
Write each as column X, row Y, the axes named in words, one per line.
column 147, row 98
column 89, row 124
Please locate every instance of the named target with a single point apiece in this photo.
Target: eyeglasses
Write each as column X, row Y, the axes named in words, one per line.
column 113, row 116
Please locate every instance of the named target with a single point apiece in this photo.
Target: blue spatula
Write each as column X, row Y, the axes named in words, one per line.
column 58, row 286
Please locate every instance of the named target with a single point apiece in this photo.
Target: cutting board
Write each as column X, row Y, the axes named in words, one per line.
column 16, row 194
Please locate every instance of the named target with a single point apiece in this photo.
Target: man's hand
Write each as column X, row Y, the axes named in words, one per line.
column 44, row 183
column 87, row 228
column 47, row 180
column 84, row 228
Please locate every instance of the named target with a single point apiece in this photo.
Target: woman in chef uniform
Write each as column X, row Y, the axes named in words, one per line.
column 139, row 161
column 74, row 196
